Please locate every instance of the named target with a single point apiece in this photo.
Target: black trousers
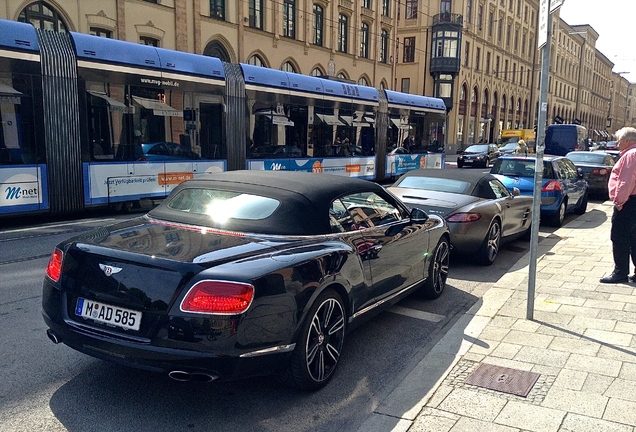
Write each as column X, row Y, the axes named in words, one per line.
column 623, row 236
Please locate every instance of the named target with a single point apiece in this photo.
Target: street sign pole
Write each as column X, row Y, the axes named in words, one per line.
column 543, row 39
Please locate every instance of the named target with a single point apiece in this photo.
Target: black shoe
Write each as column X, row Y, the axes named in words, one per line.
column 614, row 278
column 632, row 278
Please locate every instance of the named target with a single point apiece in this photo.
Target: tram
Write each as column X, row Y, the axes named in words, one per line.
column 88, row 121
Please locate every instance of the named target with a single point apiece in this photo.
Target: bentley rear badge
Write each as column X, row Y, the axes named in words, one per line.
column 109, row 270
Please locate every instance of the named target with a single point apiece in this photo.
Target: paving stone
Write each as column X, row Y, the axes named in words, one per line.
column 581, row 423
column 472, row 404
column 542, row 356
column 594, row 365
column 575, row 401
column 570, row 379
column 530, row 417
column 471, row 425
column 607, row 337
column 620, row 411
column 622, row 389
column 527, row 338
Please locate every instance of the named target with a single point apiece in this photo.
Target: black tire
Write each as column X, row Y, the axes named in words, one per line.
column 319, row 345
column 582, row 208
column 558, row 218
column 490, row 247
column 437, row 271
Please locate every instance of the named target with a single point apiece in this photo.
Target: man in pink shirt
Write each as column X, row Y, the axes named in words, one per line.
column 622, row 192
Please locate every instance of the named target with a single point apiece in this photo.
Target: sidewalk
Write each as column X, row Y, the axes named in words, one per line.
column 580, row 343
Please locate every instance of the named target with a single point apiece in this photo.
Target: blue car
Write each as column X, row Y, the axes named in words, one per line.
column 564, row 189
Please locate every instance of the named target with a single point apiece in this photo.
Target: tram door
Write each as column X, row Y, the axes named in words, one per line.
column 211, row 117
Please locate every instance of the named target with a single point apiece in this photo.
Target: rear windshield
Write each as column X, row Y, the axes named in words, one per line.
column 221, row 205
column 477, row 148
column 519, row 168
column 434, row 184
column 587, row 157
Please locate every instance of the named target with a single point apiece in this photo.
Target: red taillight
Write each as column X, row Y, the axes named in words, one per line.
column 599, row 171
column 218, row 297
column 464, row 217
column 551, row 186
column 54, row 269
column 142, row 159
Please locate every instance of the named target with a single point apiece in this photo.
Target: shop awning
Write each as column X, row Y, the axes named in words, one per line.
column 114, row 105
column 331, row 120
column 398, row 123
column 158, row 108
column 9, row 95
column 355, row 123
column 277, row 119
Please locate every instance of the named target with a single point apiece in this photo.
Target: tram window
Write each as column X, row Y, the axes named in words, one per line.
column 19, row 122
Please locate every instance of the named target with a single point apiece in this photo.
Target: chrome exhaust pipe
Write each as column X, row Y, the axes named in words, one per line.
column 199, row 377
column 182, row 376
column 53, row 336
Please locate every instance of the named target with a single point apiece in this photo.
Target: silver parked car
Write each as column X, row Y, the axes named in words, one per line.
column 481, row 213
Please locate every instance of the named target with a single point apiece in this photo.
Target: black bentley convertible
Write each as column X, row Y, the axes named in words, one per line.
column 243, row 273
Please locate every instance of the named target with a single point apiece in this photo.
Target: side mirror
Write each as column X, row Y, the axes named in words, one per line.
column 516, row 192
column 418, row 216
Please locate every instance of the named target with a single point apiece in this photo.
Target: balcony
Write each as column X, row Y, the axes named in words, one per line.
column 445, row 65
column 454, row 20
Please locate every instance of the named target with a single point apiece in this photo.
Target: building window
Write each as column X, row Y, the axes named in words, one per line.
column 386, row 8
column 288, row 67
column 366, row 4
column 364, row 41
column 363, row 81
column 343, row 33
column 506, row 69
column 445, row 44
column 256, row 61
column 149, row 41
column 289, row 19
column 445, row 6
column 523, row 43
column 466, row 53
column 508, row 35
column 497, row 66
column 469, row 11
column 491, row 21
column 477, row 58
column 499, row 29
column 411, row 9
column 406, row 85
column 318, row 24
column 487, row 69
column 409, row 50
column 96, row 31
column 516, row 39
column 316, row 72
column 256, row 14
column 42, row 17
column 384, row 46
column 217, row 9
column 480, row 16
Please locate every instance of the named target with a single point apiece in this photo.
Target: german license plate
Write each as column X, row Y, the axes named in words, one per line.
column 108, row 314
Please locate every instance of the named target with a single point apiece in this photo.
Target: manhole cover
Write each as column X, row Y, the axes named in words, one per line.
column 503, row 379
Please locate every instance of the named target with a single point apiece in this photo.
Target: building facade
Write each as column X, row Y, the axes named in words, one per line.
column 480, row 56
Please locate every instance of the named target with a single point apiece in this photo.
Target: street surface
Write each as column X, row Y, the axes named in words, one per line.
column 51, row 387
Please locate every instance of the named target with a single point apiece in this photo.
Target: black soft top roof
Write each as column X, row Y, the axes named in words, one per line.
column 477, row 180
column 304, row 200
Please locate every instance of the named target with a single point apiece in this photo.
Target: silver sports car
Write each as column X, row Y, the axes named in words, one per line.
column 480, row 211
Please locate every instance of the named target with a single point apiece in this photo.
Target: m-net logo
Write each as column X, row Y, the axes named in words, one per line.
column 16, row 193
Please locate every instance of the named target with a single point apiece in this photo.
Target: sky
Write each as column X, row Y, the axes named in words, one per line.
column 615, row 22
